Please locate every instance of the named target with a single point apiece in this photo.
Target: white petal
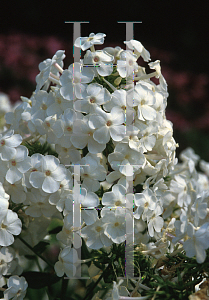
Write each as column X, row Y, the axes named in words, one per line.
column 59, row 269
column 50, row 185
column 148, row 112
column 50, row 163
column 102, row 135
column 117, row 132
column 13, row 175
column 36, row 179
column 6, row 238
column 14, row 141
column 7, row 153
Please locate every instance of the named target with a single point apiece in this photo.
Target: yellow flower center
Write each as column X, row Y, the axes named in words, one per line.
column 98, row 228
column 44, row 107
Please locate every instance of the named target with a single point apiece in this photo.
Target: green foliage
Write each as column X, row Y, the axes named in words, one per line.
column 41, row 247
column 177, row 279
column 37, row 147
column 111, row 78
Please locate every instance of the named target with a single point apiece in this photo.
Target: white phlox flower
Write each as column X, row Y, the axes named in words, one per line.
column 8, row 262
column 17, row 288
column 42, row 100
column 19, row 164
column 67, row 234
column 39, row 204
column 124, row 155
column 94, row 235
column 51, row 126
column 96, row 96
column 198, row 242
column 179, row 186
column 60, row 104
column 35, row 161
column 204, row 166
column 63, row 199
column 50, row 176
column 156, row 66
column 139, row 227
column 10, row 225
column 131, row 138
column 181, row 225
column 91, row 172
column 14, row 118
column 86, row 42
column 4, row 201
column 144, row 99
column 74, row 81
column 115, row 198
column 17, row 191
column 88, row 203
column 115, row 223
column 47, row 67
column 66, row 263
column 119, row 99
column 127, row 65
column 27, row 126
column 99, row 62
column 139, row 49
column 68, row 156
column 147, row 135
column 66, row 185
column 189, row 157
column 107, row 125
column 120, row 292
column 199, row 209
column 83, row 136
column 115, row 52
column 67, row 126
column 155, row 222
column 145, row 202
column 8, row 143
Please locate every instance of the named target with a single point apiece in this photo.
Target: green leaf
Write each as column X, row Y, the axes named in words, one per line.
column 41, row 247
column 55, row 230
column 38, row 280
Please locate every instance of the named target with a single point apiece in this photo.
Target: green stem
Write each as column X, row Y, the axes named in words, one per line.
column 39, row 255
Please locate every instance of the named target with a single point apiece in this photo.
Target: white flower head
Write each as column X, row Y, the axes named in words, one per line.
column 17, row 288
column 138, row 49
column 8, row 142
column 66, row 263
column 50, row 176
column 198, row 242
column 107, row 125
column 86, row 42
column 99, row 62
column 94, row 233
column 10, row 225
column 18, row 164
column 74, row 81
column 127, row 65
column 47, row 66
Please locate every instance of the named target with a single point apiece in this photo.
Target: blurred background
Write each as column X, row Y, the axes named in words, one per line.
column 175, row 32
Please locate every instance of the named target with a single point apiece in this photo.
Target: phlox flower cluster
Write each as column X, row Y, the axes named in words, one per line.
column 105, row 120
